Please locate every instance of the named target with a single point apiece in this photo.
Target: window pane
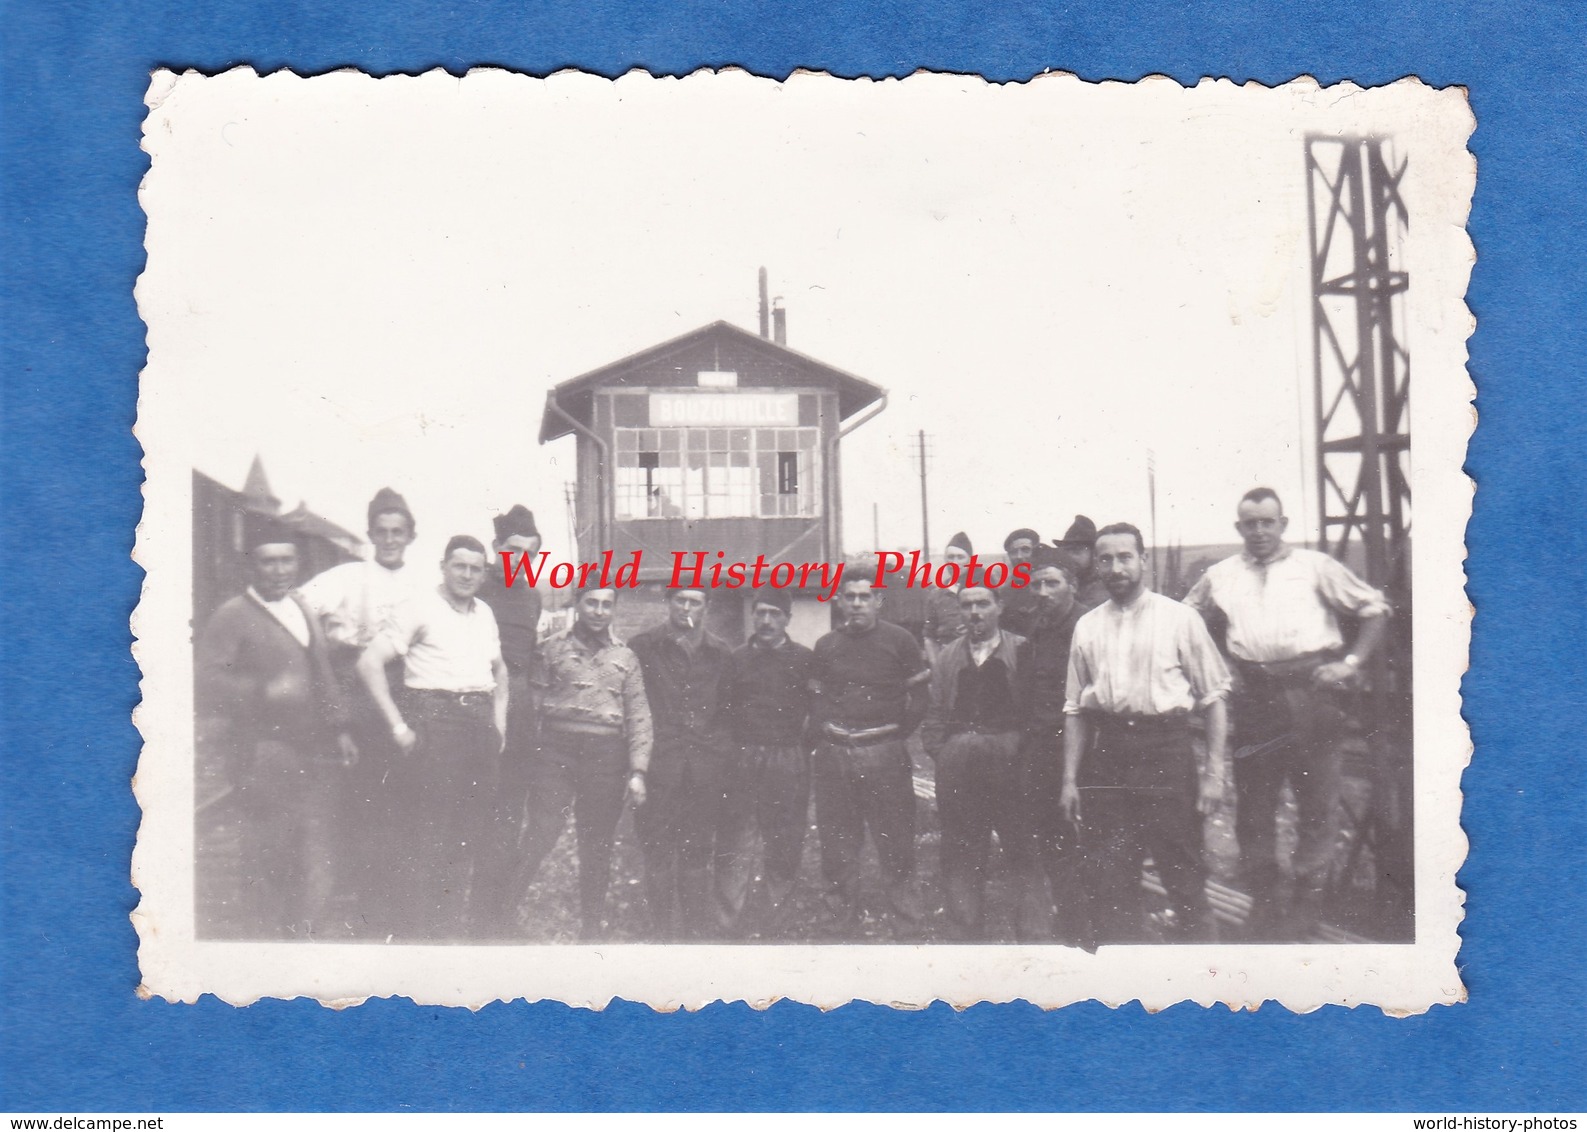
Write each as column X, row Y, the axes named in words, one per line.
column 739, row 439
column 671, row 439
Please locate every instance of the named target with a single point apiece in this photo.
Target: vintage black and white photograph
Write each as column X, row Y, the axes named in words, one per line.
column 719, row 538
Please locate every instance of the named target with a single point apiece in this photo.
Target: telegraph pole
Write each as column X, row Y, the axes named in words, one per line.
column 925, row 522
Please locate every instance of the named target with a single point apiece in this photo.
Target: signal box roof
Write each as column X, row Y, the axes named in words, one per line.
column 720, row 345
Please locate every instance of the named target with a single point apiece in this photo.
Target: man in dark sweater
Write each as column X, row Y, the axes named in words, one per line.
column 767, row 705
column 973, row 733
column 683, row 667
column 517, row 610
column 1039, row 686
column 275, row 735
column 871, row 693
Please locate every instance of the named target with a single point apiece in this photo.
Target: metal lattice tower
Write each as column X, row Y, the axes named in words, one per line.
column 1363, row 373
column 1362, row 370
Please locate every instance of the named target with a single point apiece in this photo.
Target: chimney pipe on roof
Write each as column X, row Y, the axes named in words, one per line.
column 779, row 321
column 765, row 331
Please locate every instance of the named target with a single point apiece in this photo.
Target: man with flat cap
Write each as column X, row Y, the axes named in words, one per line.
column 1076, row 546
column 1019, row 604
column 766, row 704
column 352, row 603
column 944, row 623
column 684, row 667
column 276, row 738
column 517, row 609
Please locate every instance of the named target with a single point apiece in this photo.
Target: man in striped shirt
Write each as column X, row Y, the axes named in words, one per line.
column 1141, row 667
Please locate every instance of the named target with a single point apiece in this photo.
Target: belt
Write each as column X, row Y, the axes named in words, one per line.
column 1130, row 721
column 458, row 699
column 1295, row 666
column 863, row 737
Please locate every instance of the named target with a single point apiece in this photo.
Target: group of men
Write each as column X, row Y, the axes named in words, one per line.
column 1085, row 721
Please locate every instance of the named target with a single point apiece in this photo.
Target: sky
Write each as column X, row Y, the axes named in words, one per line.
column 373, row 282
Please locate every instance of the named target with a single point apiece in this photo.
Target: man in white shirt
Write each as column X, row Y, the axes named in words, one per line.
column 449, row 730
column 1280, row 609
column 352, row 602
column 1141, row 666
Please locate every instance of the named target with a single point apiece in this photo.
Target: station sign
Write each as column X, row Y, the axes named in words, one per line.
column 696, row 409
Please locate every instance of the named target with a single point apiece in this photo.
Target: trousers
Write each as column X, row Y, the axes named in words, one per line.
column 978, row 794
column 579, row 776
column 1056, row 845
column 860, row 788
column 1287, row 730
column 445, row 793
column 1138, row 791
column 677, row 830
column 766, row 791
column 292, row 803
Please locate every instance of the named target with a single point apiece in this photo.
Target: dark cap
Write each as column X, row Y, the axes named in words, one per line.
column 962, row 541
column 260, row 530
column 766, row 595
column 387, row 501
column 520, row 521
column 1023, row 532
column 1045, row 556
column 1081, row 532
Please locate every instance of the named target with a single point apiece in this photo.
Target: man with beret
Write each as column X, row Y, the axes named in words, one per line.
column 352, row 603
column 275, row 732
column 595, row 746
column 766, row 703
column 870, row 694
column 1039, row 687
column 517, row 610
column 1019, row 604
column 1076, row 546
column 449, row 728
column 684, row 666
column 972, row 733
column 944, row 623
column 1280, row 609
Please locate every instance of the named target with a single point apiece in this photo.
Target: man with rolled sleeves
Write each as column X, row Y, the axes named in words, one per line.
column 944, row 623
column 517, row 610
column 972, row 732
column 1280, row 607
column 1039, row 687
column 275, row 737
column 684, row 666
column 766, row 704
column 595, row 743
column 871, row 694
column 1141, row 667
column 449, row 728
column 1019, row 603
column 352, row 603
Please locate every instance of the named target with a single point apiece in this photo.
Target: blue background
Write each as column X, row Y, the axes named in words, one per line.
column 76, row 1037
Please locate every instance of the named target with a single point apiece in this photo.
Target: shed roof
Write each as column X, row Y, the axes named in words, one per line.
column 574, row 395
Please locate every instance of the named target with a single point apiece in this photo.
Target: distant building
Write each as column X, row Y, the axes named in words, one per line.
column 220, row 515
column 717, row 440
